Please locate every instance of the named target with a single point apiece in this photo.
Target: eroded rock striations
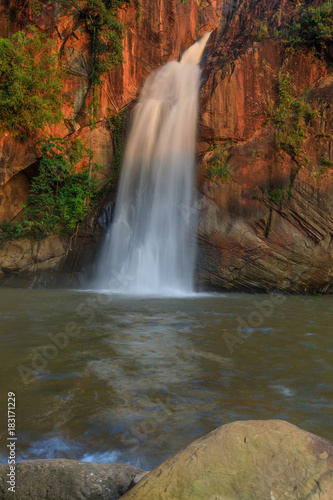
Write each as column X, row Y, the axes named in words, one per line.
column 266, row 217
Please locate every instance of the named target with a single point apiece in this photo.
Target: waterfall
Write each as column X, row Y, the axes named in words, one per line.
column 150, row 247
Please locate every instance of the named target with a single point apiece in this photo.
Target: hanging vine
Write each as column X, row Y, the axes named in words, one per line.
column 106, row 32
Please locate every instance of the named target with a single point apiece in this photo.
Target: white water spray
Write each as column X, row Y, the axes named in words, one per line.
column 150, row 247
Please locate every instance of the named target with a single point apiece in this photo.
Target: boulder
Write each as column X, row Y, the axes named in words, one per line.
column 68, row 480
column 16, row 256
column 249, row 460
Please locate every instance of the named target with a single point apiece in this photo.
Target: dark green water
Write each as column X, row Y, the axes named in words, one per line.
column 136, row 379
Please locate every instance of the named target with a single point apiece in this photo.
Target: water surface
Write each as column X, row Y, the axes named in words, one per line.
column 142, row 377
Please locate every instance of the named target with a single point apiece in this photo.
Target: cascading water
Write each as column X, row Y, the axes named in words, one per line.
column 150, row 247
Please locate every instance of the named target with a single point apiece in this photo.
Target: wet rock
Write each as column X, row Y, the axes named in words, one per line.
column 250, row 460
column 16, row 256
column 68, row 479
column 53, row 261
column 104, row 220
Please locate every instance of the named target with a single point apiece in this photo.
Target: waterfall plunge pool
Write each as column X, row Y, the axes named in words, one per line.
column 139, row 378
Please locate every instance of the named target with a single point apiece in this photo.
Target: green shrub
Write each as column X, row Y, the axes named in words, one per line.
column 13, row 231
column 60, row 195
column 30, row 83
column 291, row 117
column 325, row 164
column 262, row 30
column 219, row 167
column 278, row 195
column 313, row 29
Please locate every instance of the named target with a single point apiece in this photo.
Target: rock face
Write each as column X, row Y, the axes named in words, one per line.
column 68, row 479
column 250, row 460
column 54, row 261
column 267, row 223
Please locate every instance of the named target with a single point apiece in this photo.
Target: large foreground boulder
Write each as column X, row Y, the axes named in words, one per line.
column 59, row 479
column 251, row 460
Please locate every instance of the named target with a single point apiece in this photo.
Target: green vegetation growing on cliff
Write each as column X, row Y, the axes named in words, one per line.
column 58, row 199
column 262, row 30
column 313, row 29
column 324, row 165
column 291, row 118
column 30, row 73
column 117, row 125
column 279, row 195
column 59, row 195
column 219, row 167
column 30, row 83
column 106, row 32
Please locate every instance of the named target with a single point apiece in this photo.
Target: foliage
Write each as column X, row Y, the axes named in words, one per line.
column 139, row 13
column 219, row 167
column 30, row 83
column 325, row 163
column 322, row 135
column 26, row 10
column 256, row 153
column 313, row 29
column 58, row 199
column 13, row 231
column 277, row 34
column 278, row 195
column 29, row 69
column 262, row 30
column 296, row 3
column 106, row 33
column 117, row 125
column 291, row 118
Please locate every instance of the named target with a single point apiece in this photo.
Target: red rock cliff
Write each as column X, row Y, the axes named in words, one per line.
column 158, row 33
column 267, row 224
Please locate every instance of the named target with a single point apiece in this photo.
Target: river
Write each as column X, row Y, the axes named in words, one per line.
column 135, row 379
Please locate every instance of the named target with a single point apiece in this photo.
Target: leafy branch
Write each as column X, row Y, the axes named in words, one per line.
column 30, row 83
